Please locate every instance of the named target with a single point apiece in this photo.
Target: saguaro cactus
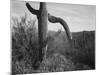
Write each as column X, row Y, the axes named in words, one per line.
column 42, row 17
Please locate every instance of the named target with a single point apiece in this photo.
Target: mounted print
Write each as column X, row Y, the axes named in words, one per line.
column 52, row 37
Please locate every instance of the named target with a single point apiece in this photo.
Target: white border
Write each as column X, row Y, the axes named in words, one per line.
column 5, row 37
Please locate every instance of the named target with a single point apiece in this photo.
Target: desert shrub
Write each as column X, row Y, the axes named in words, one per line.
column 57, row 63
column 24, row 43
column 85, row 57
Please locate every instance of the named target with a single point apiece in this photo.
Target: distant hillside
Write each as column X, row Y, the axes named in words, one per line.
column 83, row 39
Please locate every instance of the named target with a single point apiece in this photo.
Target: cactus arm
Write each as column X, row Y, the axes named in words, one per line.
column 54, row 19
column 33, row 11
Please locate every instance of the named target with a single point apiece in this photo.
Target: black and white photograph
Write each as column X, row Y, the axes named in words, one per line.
column 51, row 37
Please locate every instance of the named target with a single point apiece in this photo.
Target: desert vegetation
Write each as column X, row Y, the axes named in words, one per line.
column 59, row 56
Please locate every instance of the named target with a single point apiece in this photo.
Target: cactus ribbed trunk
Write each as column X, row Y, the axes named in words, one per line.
column 42, row 30
column 42, row 17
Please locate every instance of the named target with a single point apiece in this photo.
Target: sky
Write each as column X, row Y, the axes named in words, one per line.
column 78, row 17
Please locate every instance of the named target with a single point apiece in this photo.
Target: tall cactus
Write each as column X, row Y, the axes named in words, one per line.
column 42, row 17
